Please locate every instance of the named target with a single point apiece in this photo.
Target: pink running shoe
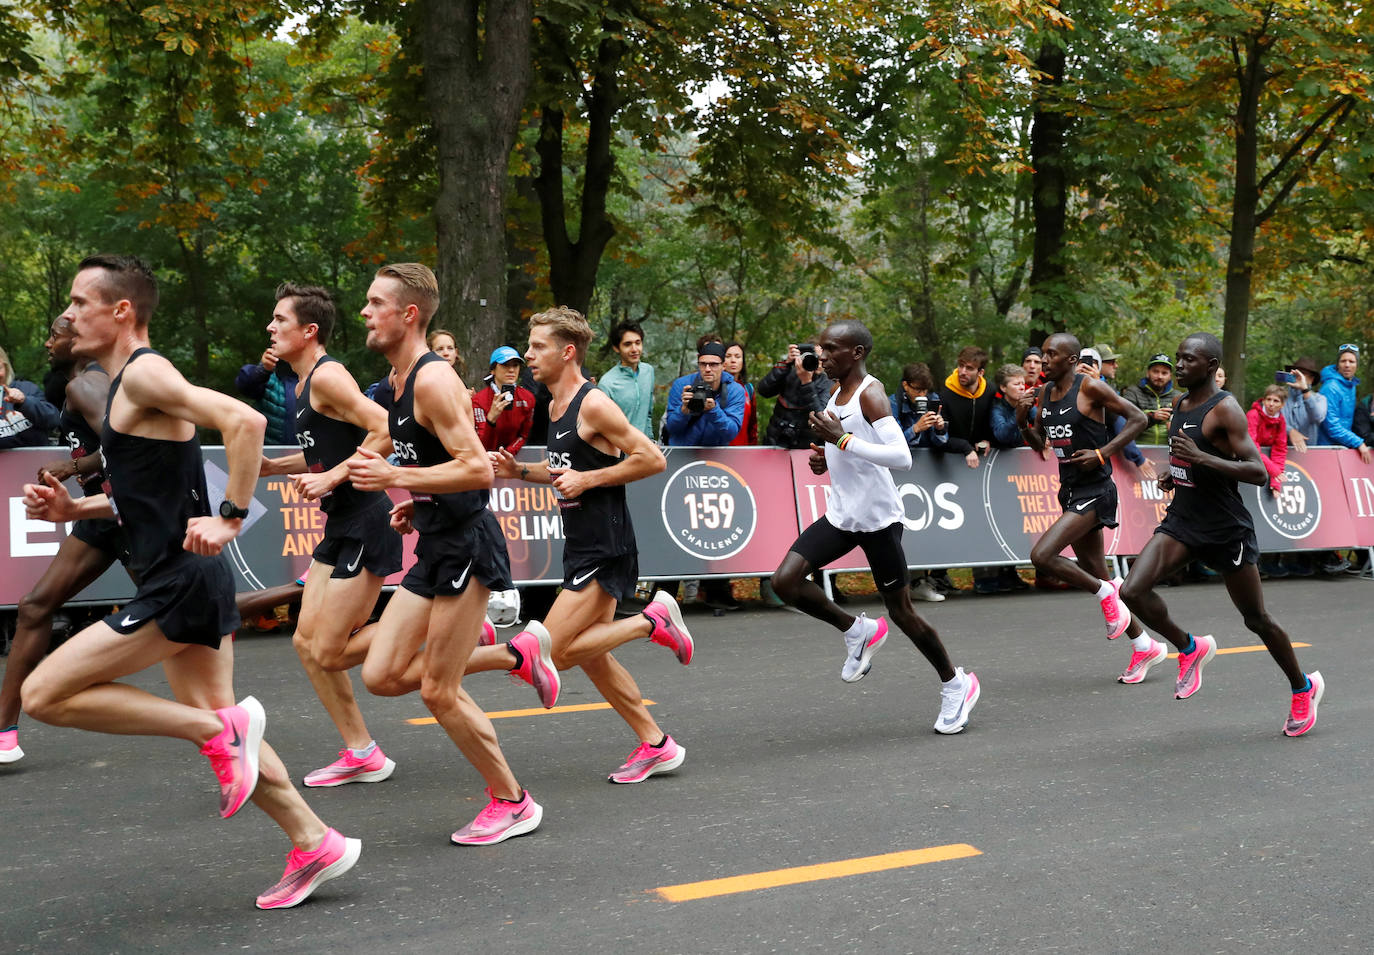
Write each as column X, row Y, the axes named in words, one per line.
column 488, row 637
column 536, row 664
column 1303, row 715
column 1142, row 661
column 307, row 871
column 1115, row 612
column 648, row 760
column 350, row 769
column 500, row 821
column 859, row 651
column 233, row 753
column 9, row 747
column 1190, row 666
column 669, row 630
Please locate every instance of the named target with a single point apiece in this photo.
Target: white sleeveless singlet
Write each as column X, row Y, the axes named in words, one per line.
column 863, row 496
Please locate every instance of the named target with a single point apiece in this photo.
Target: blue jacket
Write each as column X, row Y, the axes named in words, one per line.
column 906, row 417
column 275, row 396
column 1337, row 427
column 30, row 423
column 1305, row 413
column 710, row 429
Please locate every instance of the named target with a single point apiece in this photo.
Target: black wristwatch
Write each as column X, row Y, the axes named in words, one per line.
column 229, row 510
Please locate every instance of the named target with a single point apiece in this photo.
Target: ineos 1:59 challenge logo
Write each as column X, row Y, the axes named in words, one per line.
column 708, row 510
column 1295, row 511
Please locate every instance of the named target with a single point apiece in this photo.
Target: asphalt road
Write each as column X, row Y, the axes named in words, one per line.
column 1100, row 817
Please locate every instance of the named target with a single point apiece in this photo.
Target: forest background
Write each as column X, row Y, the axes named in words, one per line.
column 952, row 173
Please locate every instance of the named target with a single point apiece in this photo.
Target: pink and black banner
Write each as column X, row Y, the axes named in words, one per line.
column 734, row 512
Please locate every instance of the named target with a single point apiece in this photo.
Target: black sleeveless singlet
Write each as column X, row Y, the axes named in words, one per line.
column 417, row 447
column 82, row 440
column 1205, row 502
column 326, row 442
column 597, row 523
column 156, row 486
column 1068, row 430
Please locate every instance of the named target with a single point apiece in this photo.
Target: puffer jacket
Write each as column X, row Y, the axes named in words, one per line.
column 1271, row 433
column 1338, row 426
column 1144, row 397
column 789, row 426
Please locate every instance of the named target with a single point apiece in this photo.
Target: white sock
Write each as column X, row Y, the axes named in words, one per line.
column 956, row 681
column 366, row 751
column 1142, row 642
column 1105, row 590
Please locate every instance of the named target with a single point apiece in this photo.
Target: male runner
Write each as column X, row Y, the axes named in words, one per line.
column 863, row 445
column 1209, row 451
column 593, row 452
column 432, row 622
column 1072, row 422
column 84, row 554
column 359, row 549
column 184, row 608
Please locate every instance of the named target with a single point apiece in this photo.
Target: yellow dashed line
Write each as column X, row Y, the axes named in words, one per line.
column 538, row 711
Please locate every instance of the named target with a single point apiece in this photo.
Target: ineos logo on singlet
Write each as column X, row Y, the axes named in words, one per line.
column 560, row 459
column 1059, row 432
column 305, row 439
column 405, row 451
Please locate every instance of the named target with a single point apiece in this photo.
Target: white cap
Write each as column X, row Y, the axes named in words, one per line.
column 1089, row 353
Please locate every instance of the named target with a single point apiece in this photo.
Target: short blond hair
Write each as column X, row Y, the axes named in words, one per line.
column 421, row 288
column 9, row 369
column 568, row 325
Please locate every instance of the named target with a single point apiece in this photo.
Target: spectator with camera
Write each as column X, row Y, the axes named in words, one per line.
column 502, row 409
column 1154, row 394
column 1107, row 369
column 705, row 409
column 801, row 388
column 630, row 384
column 1091, row 363
column 916, row 408
column 1304, row 407
column 1011, row 385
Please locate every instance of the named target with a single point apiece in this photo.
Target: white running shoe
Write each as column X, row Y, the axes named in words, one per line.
column 859, row 656
column 956, row 702
column 925, row 589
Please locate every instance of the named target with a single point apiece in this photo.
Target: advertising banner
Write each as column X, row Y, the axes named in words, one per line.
column 735, row 511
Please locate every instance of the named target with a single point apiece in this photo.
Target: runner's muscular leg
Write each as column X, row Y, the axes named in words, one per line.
column 1092, row 556
column 77, row 564
column 204, row 678
column 454, row 626
column 75, row 687
column 394, row 664
column 791, row 582
column 921, row 633
column 1071, row 529
column 1161, row 556
column 330, row 610
column 1243, row 585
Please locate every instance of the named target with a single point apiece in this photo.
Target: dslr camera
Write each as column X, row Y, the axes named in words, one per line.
column 925, row 404
column 697, row 403
column 809, row 359
column 508, row 391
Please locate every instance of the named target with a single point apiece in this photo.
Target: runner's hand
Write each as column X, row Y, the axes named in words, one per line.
column 503, row 464
column 826, row 425
column 314, row 485
column 817, row 460
column 208, row 535
column 1185, row 449
column 401, row 515
column 59, row 469
column 369, row 471
column 570, row 483
column 49, row 501
column 1147, row 470
column 1084, row 459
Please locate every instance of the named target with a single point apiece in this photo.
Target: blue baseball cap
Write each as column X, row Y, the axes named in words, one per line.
column 504, row 354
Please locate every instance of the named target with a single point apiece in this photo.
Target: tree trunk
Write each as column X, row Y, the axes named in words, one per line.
column 573, row 265
column 1049, row 191
column 476, row 77
column 1240, row 261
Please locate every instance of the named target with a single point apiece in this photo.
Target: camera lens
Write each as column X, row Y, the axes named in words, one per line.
column 809, row 361
column 921, row 405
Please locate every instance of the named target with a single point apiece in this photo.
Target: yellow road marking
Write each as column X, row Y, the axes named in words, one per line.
column 538, row 711
column 1220, row 651
column 690, row 891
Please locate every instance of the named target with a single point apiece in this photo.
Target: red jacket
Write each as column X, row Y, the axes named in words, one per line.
column 1271, row 433
column 511, row 429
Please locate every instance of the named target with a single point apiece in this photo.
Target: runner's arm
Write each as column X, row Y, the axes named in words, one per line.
column 891, row 449
column 642, row 457
column 1136, row 422
column 1226, row 428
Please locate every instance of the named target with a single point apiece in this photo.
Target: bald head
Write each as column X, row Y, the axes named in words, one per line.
column 852, row 333
column 1205, row 344
column 1064, row 342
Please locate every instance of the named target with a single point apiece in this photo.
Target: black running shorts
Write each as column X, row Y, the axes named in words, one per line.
column 617, row 575
column 445, row 562
column 104, row 534
column 358, row 542
column 823, row 542
column 1225, row 556
column 191, row 599
column 1098, row 499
